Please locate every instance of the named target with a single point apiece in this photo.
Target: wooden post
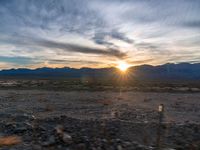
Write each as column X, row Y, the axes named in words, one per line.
column 161, row 114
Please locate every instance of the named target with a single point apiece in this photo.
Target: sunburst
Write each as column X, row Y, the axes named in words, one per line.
column 123, row 66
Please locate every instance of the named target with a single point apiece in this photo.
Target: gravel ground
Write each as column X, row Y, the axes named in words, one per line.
column 82, row 120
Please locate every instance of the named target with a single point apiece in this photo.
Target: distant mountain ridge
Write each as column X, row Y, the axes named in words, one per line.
column 181, row 71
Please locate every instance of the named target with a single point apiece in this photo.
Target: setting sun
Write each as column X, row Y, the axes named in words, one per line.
column 123, row 66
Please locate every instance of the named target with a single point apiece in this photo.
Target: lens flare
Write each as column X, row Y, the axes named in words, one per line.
column 123, row 66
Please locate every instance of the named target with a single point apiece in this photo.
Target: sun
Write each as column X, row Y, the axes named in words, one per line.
column 123, row 66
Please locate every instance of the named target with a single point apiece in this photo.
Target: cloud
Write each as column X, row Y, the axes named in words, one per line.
column 66, row 47
column 145, row 61
column 80, row 49
column 153, row 49
column 17, row 60
column 120, row 36
column 59, row 61
column 145, row 45
column 115, row 29
column 104, row 38
column 61, row 17
column 192, row 24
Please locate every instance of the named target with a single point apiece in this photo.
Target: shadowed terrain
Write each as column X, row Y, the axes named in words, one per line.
column 105, row 119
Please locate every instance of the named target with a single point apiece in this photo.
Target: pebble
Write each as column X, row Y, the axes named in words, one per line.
column 66, row 138
column 81, row 146
column 73, row 134
column 119, row 147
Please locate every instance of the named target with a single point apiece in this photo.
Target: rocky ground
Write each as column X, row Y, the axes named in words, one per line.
column 82, row 120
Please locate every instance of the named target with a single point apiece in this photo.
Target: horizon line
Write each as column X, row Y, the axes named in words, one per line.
column 131, row 66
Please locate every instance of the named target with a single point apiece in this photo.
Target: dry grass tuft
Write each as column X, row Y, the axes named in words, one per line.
column 105, row 102
column 10, row 140
column 49, row 108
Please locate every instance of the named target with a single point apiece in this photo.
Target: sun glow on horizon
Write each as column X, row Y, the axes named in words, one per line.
column 123, row 66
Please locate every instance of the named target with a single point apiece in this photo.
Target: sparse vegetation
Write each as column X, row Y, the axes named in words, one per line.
column 45, row 119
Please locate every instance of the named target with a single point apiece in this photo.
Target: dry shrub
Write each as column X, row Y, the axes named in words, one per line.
column 115, row 114
column 105, row 102
column 10, row 140
column 49, row 108
column 42, row 99
column 147, row 99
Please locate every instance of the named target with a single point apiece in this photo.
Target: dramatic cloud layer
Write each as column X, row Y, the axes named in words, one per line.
column 99, row 33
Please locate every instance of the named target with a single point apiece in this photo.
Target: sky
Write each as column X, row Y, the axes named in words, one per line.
column 98, row 33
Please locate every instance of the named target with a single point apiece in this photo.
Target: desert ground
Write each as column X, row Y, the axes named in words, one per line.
column 42, row 119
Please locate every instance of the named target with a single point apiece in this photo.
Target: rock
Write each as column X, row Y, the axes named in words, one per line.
column 59, row 129
column 33, row 117
column 104, row 141
column 20, row 130
column 119, row 147
column 51, row 141
column 147, row 99
column 81, row 146
column 66, row 138
column 127, row 144
column 37, row 147
column 168, row 149
column 118, row 140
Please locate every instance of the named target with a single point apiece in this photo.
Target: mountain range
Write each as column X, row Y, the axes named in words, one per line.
column 170, row 71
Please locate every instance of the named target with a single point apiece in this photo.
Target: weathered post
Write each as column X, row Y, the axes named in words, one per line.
column 161, row 115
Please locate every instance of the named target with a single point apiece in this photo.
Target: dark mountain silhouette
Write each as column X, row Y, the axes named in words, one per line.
column 182, row 71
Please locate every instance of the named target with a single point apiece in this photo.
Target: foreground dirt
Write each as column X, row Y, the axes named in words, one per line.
column 98, row 120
